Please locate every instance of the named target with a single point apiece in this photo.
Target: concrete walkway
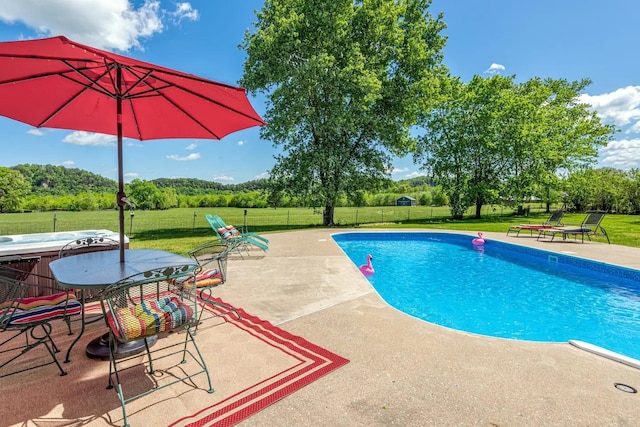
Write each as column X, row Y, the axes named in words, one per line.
column 407, row 372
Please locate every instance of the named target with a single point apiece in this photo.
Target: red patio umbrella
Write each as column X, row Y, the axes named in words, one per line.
column 58, row 83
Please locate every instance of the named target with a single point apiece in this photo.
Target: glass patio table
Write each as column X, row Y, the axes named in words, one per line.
column 97, row 270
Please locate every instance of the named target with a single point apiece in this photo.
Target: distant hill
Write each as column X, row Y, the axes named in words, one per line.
column 195, row 187
column 58, row 180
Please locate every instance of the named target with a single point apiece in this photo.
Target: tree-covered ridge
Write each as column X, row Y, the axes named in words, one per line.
column 62, row 181
column 195, row 187
column 59, row 180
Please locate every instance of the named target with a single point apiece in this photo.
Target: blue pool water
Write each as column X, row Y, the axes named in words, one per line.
column 502, row 290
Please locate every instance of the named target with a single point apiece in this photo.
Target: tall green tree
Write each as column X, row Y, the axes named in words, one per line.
column 345, row 80
column 495, row 139
column 13, row 190
column 144, row 194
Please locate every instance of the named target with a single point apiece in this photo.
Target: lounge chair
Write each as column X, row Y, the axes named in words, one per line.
column 555, row 220
column 590, row 226
column 230, row 234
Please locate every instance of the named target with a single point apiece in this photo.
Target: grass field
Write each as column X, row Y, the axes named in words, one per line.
column 179, row 230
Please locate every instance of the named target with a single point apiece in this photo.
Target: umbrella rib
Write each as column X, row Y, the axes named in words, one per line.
column 213, row 101
column 215, row 135
column 92, row 85
column 158, row 91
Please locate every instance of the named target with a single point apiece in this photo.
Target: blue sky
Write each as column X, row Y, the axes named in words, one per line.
column 570, row 39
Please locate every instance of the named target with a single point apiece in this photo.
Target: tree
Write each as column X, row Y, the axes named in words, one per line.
column 459, row 147
column 632, row 190
column 497, row 139
column 345, row 81
column 13, row 189
column 144, row 194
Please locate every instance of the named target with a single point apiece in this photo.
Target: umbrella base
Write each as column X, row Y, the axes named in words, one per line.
column 98, row 348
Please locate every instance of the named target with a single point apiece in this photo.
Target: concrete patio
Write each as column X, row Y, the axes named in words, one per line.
column 407, row 372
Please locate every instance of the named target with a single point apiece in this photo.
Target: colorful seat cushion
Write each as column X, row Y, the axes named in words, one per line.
column 228, row 232
column 38, row 309
column 208, row 277
column 149, row 318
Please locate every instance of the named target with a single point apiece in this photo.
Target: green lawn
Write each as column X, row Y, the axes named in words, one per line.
column 179, row 230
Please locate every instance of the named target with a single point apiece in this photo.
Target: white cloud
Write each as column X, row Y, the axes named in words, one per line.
column 495, row 69
column 89, row 138
column 191, row 147
column 620, row 107
column 113, row 24
column 263, row 175
column 192, row 156
column 36, row 132
column 399, row 170
column 240, row 142
column 223, row 178
column 68, row 163
column 128, row 177
column 185, row 11
column 415, row 174
column 623, row 154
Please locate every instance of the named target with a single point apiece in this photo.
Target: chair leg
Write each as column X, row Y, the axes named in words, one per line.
column 36, row 340
column 206, row 297
column 146, row 346
column 113, row 371
column 200, row 360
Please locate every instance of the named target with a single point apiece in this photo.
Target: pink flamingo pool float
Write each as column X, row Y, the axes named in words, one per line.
column 478, row 241
column 367, row 269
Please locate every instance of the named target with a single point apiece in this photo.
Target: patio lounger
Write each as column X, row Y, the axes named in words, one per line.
column 555, row 220
column 242, row 240
column 590, row 226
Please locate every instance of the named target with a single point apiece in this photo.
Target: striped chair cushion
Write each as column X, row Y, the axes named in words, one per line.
column 149, row 318
column 208, row 277
column 38, row 309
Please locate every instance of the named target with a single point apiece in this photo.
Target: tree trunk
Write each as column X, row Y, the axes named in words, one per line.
column 327, row 216
column 478, row 210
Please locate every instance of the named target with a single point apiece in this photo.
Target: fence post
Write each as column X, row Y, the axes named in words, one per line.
column 193, row 229
column 288, row 212
column 131, row 215
column 357, row 225
column 54, row 222
column 382, row 215
column 244, row 224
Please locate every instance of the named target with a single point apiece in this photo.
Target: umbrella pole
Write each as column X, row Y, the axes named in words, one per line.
column 121, row 196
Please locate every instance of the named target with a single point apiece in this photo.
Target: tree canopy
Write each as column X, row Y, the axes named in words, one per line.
column 59, row 180
column 13, row 189
column 494, row 139
column 345, row 81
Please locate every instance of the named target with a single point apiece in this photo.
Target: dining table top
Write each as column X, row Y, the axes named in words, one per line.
column 103, row 268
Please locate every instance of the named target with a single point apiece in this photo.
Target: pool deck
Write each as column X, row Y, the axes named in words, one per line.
column 407, row 372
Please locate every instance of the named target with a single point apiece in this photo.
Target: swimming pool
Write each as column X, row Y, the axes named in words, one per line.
column 502, row 290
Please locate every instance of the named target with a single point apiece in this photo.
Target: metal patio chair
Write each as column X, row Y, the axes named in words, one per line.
column 27, row 311
column 212, row 259
column 147, row 305
column 83, row 246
